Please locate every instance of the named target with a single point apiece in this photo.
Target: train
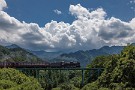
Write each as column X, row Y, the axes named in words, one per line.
column 61, row 64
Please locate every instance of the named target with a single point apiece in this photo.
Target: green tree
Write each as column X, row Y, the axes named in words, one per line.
column 98, row 62
column 11, row 79
column 119, row 71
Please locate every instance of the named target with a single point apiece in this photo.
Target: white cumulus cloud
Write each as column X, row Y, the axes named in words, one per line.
column 90, row 30
column 3, row 4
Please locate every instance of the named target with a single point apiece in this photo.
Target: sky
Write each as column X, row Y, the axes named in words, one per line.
column 67, row 25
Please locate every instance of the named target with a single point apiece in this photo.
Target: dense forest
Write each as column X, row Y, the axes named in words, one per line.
column 118, row 74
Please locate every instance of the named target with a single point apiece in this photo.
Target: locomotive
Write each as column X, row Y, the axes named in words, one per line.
column 61, row 64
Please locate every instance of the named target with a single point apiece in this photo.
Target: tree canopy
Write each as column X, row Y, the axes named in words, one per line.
column 119, row 71
column 11, row 79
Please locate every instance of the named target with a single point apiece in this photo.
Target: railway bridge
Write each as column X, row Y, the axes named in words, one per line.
column 37, row 72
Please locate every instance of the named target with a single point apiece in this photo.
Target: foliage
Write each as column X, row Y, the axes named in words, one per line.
column 76, row 81
column 58, row 88
column 66, row 86
column 90, row 86
column 119, row 71
column 51, row 79
column 54, row 78
column 11, row 79
column 98, row 62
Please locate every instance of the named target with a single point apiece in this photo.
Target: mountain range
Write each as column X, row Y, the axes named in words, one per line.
column 15, row 53
column 46, row 55
column 84, row 57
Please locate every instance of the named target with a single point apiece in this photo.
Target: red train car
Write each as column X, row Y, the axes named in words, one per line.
column 40, row 65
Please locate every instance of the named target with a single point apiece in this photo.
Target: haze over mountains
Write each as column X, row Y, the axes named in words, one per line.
column 84, row 57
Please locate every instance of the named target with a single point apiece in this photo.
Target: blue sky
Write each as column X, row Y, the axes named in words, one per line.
column 42, row 11
column 67, row 25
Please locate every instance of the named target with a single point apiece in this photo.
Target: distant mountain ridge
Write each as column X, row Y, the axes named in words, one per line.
column 46, row 55
column 85, row 57
column 12, row 46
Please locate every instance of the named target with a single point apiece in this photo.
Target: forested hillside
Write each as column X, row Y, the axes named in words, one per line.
column 85, row 57
column 119, row 73
column 17, row 54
